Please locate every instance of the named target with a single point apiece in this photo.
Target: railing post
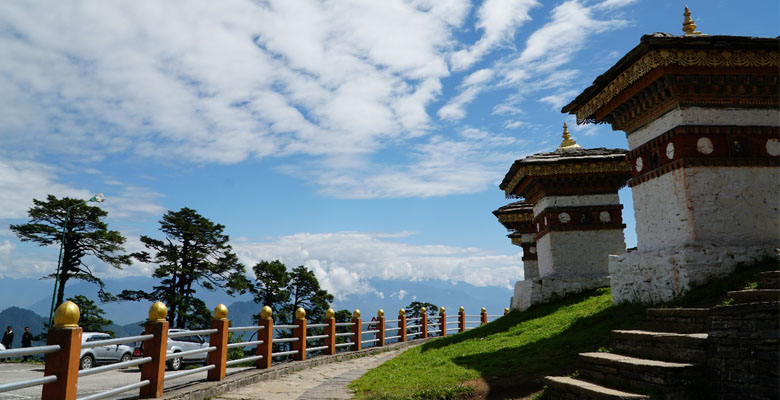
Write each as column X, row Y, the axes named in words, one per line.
column 461, row 319
column 64, row 363
column 357, row 329
column 424, row 322
column 402, row 324
column 219, row 339
column 266, row 334
column 300, row 333
column 330, row 330
column 380, row 323
column 483, row 316
column 156, row 349
column 443, row 321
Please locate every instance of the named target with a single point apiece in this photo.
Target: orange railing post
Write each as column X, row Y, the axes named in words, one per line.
column 330, row 330
column 155, row 348
column 402, row 325
column 461, row 319
column 266, row 334
column 64, row 363
column 483, row 316
column 219, row 339
column 424, row 322
column 300, row 333
column 380, row 324
column 443, row 321
column 357, row 330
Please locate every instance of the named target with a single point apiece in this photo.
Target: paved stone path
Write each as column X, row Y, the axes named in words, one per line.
column 328, row 381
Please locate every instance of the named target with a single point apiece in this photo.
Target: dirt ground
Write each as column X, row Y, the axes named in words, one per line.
column 518, row 387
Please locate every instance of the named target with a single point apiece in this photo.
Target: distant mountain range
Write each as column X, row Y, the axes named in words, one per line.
column 28, row 301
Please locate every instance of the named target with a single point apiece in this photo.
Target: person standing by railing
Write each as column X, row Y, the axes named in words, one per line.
column 8, row 338
column 27, row 338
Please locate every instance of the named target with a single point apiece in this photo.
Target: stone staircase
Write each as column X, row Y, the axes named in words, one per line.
column 665, row 358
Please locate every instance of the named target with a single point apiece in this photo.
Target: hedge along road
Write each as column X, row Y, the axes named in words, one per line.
column 88, row 385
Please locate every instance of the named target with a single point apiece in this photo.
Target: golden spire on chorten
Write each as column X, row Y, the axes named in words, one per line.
column 689, row 27
column 568, row 142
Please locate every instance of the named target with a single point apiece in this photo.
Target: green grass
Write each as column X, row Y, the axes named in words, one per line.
column 543, row 339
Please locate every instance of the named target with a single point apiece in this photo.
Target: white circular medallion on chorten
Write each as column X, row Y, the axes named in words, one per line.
column 639, row 164
column 605, row 217
column 670, row 150
column 773, row 147
column 564, row 217
column 532, row 250
column 704, row 145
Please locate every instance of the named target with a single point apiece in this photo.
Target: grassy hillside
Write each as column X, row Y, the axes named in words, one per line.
column 541, row 340
column 517, row 349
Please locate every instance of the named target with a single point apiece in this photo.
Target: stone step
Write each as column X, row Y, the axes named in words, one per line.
column 565, row 388
column 672, row 379
column 755, row 296
column 769, row 280
column 676, row 320
column 663, row 346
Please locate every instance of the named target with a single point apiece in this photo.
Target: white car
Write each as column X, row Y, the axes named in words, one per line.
column 178, row 345
column 102, row 354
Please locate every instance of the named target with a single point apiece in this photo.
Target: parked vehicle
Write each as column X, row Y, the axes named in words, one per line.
column 102, row 354
column 178, row 345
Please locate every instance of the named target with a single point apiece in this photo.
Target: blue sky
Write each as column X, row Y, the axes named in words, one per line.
column 364, row 139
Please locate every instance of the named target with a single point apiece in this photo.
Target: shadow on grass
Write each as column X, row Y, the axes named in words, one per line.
column 516, row 372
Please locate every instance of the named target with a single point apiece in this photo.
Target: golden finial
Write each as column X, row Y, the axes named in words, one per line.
column 484, row 310
column 158, row 311
column 401, row 312
column 300, row 313
column 67, row 315
column 380, row 313
column 330, row 313
column 220, row 312
column 461, row 310
column 356, row 314
column 506, row 311
column 266, row 312
column 442, row 310
column 689, row 27
column 423, row 310
column 567, row 142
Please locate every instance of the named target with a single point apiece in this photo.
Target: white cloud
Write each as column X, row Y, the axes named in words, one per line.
column 220, row 83
column 344, row 261
column 471, row 87
column 498, row 19
column 559, row 99
column 466, row 163
column 23, row 180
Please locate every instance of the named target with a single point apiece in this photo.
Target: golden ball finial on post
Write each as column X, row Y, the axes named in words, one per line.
column 423, row 310
column 330, row 313
column 356, row 314
column 158, row 311
column 484, row 310
column 300, row 313
column 220, row 312
column 442, row 310
column 461, row 309
column 266, row 312
column 67, row 315
column 380, row 313
column 401, row 312
column 506, row 311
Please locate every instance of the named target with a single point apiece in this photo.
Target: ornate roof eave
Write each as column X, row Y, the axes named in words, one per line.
column 570, row 168
column 663, row 49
